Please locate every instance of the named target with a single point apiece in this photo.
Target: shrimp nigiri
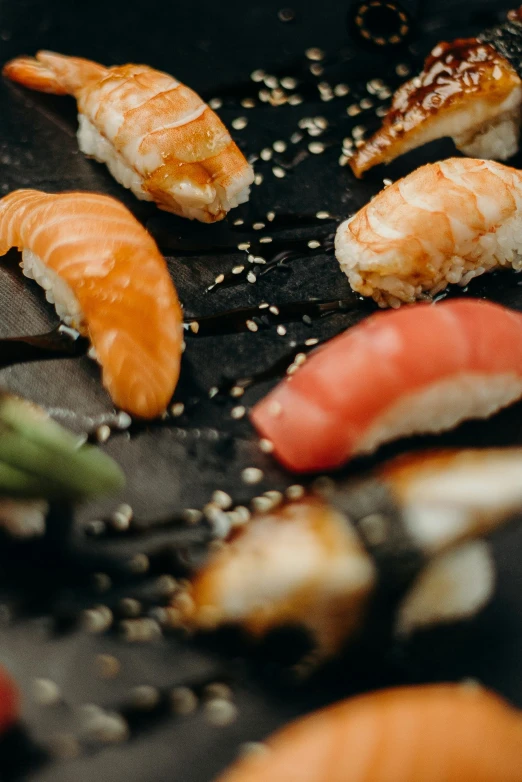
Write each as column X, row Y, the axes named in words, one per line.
column 156, row 136
column 413, row 528
column 107, row 278
column 443, row 223
column 470, row 90
column 9, row 701
column 431, row 733
column 398, row 373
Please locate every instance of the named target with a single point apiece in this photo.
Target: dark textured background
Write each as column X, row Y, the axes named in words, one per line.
column 45, row 585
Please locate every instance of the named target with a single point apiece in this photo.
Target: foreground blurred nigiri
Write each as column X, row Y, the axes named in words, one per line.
column 107, row 278
column 470, row 90
column 409, row 531
column 9, row 701
column 432, row 733
column 398, row 373
column 156, row 136
column 444, row 223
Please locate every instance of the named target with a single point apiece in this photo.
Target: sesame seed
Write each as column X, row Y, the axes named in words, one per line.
column 270, row 216
column 183, row 701
column 387, row 182
column 258, row 226
column 321, row 122
column 237, row 412
column 295, row 492
column 252, row 325
column 264, row 305
column 248, row 103
column 166, row 585
column 316, row 147
column 177, row 409
column 194, row 327
column 252, row 475
column 251, row 277
column 353, row 110
column 92, row 353
column 313, row 244
column 266, row 154
column 275, row 409
column 130, row 607
column 314, row 53
column 296, row 137
column 45, row 692
column 217, row 690
column 316, row 69
column 381, row 111
column 122, row 515
column 261, row 504
column 243, row 246
column 237, row 391
column 215, row 103
column 139, row 564
column 278, row 172
column 279, row 146
column 123, row 420
column 274, row 310
column 103, row 433
column 265, row 240
column 143, row 630
column 271, row 82
column 281, row 330
column 191, row 515
column 305, row 122
column 340, row 90
column 105, row 727
column 97, row 620
column 220, row 712
column 257, row 75
column 258, row 179
column 300, row 359
column 238, row 269
column 101, row 582
column 288, row 82
column 295, row 100
column 385, row 93
column 107, row 666
column 275, row 497
column 314, row 131
column 358, row 131
column 264, row 96
column 213, row 391
column 265, row 445
column 343, row 160
column 402, row 69
column 307, row 319
column 239, row 221
column 241, row 515
column 258, row 259
column 311, row 341
column 292, row 369
column 222, row 499
column 322, row 215
column 366, row 103
column 145, row 697
column 286, row 15
column 219, row 278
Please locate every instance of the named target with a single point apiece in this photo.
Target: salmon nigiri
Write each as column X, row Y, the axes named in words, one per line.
column 107, row 278
column 444, row 223
column 402, row 372
column 156, row 136
column 431, row 733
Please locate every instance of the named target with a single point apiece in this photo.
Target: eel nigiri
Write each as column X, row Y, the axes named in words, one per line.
column 413, row 528
column 470, row 89
column 156, row 136
column 9, row 701
column 444, row 223
column 430, row 733
column 107, row 278
column 398, row 373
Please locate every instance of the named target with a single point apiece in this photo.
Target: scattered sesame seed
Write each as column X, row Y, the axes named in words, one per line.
column 307, row 319
column 275, row 409
column 402, row 69
column 311, row 341
column 183, row 701
column 272, row 82
column 257, row 75
column 261, row 504
column 145, row 697
column 248, row 103
column 252, row 475
column 238, row 412
column 130, row 607
column 215, row 103
column 97, row 620
column 243, row 246
column 123, row 420
column 270, row 216
column 274, row 310
column 358, row 131
column 264, row 305
column 212, row 392
column 177, row 409
column 265, row 240
column 300, row 359
column 107, row 666
column 220, row 712
column 259, row 259
column 324, row 86
column 101, row 582
column 286, row 15
column 238, row 269
column 252, row 325
column 281, row 330
column 166, row 585
column 313, row 244
column 343, row 160
column 314, row 131
column 314, row 53
column 381, row 111
column 217, row 690
column 340, row 90
column 366, row 103
column 251, row 277
column 266, row 154
column 322, row 215
column 288, row 82
column 385, row 94
column 296, row 137
column 191, row 515
column 103, row 433
column 265, row 445
column 264, row 95
column 239, row 221
column 295, row 492
column 143, row 630
column 321, row 122
column 279, row 146
column 258, row 226
column 316, row 69
column 359, row 143
column 316, row 147
column 45, row 692
column 105, row 727
column 139, row 564
column 258, row 179
column 295, row 100
column 240, row 514
column 387, row 182
column 292, row 369
column 194, row 326
column 278, row 172
column 220, row 278
column 222, row 499
column 276, row 497
column 353, row 110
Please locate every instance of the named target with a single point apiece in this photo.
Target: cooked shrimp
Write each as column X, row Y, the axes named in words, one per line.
column 156, row 136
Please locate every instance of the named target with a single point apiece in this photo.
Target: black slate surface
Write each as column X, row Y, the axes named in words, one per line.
column 45, row 585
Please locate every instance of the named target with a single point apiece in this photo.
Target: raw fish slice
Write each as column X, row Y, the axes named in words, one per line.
column 416, row 370
column 107, row 278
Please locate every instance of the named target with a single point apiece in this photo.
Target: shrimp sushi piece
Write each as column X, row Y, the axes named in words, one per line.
column 443, row 224
column 156, row 136
column 398, row 373
column 433, row 733
column 470, row 90
column 107, row 278
column 414, row 527
column 9, row 701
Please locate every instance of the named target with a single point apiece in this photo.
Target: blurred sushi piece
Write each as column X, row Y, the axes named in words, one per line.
column 9, row 701
column 431, row 733
column 470, row 90
column 442, row 224
column 412, row 532
column 398, row 373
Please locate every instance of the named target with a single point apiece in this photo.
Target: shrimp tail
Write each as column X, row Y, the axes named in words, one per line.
column 53, row 73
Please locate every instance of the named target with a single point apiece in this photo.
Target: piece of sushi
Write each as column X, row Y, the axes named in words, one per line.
column 442, row 224
column 156, row 136
column 107, row 278
column 430, row 733
column 470, row 89
column 398, row 373
column 412, row 529
column 9, row 701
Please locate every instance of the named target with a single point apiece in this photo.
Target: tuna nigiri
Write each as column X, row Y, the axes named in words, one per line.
column 156, row 136
column 432, row 733
column 9, row 701
column 413, row 528
column 398, row 373
column 444, row 223
column 107, row 278
column 470, row 90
